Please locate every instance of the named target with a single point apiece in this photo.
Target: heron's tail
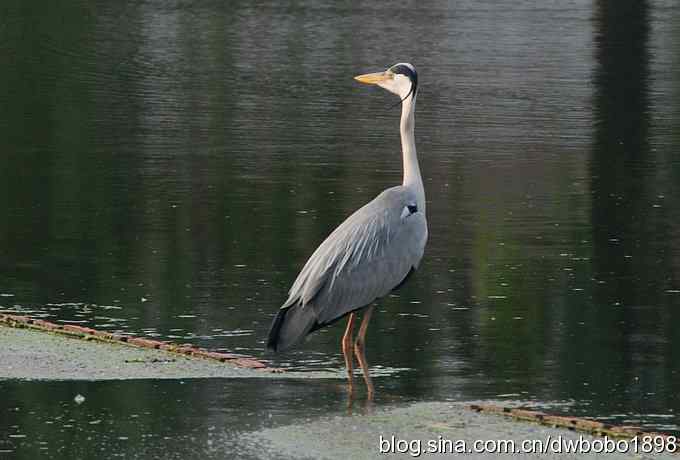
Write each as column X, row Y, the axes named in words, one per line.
column 290, row 326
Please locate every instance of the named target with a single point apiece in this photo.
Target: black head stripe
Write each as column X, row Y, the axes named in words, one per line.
column 410, row 73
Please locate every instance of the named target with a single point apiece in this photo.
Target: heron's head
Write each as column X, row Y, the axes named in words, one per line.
column 400, row 79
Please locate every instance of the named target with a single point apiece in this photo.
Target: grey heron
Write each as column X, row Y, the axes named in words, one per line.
column 370, row 254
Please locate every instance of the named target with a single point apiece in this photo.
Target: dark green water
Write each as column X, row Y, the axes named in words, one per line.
column 167, row 167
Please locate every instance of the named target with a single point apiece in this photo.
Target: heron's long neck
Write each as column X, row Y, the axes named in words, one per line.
column 412, row 177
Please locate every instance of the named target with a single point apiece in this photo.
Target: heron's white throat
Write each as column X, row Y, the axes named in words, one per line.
column 412, row 178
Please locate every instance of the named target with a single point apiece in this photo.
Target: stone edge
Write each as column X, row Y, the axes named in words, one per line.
column 89, row 334
column 578, row 424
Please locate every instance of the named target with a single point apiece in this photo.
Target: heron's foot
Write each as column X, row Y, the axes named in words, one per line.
column 370, row 392
column 350, row 385
column 347, row 351
column 349, row 360
column 359, row 350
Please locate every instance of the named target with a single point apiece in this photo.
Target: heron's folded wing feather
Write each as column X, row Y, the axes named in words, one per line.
column 364, row 258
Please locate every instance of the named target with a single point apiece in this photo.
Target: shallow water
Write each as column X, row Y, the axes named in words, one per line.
column 167, row 168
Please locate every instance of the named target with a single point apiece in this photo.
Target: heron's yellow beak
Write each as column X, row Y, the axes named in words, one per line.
column 373, row 78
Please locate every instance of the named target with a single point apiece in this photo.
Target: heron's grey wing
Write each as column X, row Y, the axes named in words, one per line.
column 366, row 257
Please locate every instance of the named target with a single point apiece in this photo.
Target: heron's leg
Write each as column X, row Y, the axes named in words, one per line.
column 359, row 347
column 347, row 349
